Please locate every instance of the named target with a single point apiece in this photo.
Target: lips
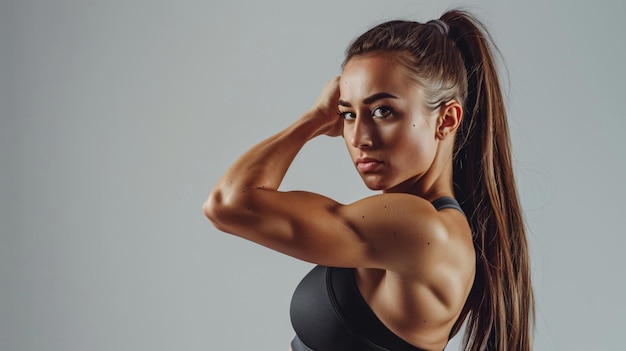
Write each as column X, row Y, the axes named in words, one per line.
column 367, row 164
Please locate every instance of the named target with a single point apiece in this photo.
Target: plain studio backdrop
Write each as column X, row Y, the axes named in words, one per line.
column 117, row 118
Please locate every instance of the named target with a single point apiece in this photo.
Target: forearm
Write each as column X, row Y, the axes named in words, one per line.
column 231, row 204
column 263, row 167
column 265, row 164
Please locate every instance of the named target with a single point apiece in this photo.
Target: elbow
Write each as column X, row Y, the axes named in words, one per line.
column 214, row 209
column 211, row 205
column 226, row 210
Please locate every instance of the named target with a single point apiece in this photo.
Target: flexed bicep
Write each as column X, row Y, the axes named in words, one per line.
column 373, row 232
column 300, row 224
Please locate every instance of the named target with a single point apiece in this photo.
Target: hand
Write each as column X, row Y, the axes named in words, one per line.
column 326, row 109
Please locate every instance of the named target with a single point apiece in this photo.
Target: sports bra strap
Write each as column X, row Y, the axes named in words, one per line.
column 447, row 202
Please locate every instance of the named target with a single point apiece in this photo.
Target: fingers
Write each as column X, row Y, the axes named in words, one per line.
column 329, row 96
column 326, row 108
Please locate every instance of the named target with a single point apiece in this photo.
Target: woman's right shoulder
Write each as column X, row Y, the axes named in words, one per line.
column 391, row 210
column 422, row 246
column 397, row 226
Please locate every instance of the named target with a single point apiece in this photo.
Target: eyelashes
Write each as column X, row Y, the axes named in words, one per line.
column 382, row 112
column 347, row 115
column 376, row 112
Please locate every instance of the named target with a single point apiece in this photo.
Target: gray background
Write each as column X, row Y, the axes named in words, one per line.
column 119, row 116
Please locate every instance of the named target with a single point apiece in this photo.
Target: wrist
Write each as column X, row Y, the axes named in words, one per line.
column 311, row 125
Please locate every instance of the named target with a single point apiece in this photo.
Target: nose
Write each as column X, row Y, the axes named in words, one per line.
column 361, row 133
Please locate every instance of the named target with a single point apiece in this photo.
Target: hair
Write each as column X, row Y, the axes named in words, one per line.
column 452, row 59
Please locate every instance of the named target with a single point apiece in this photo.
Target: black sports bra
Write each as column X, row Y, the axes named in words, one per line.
column 328, row 312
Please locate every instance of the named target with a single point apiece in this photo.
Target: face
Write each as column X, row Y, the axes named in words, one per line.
column 390, row 137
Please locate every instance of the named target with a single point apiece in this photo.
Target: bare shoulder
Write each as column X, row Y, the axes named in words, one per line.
column 388, row 231
column 408, row 234
column 429, row 265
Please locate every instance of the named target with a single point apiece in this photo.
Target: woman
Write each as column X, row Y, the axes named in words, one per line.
column 423, row 119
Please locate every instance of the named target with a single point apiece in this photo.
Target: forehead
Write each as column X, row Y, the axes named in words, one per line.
column 366, row 75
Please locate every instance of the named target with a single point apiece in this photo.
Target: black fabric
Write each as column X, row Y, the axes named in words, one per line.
column 447, row 202
column 328, row 312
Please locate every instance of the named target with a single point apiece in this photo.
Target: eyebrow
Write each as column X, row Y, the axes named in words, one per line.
column 368, row 100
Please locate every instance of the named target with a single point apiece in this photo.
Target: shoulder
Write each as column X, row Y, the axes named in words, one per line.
column 406, row 232
column 429, row 264
column 388, row 208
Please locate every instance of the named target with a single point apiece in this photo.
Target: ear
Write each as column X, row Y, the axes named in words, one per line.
column 449, row 119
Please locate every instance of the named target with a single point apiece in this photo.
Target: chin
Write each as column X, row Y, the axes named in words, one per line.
column 376, row 186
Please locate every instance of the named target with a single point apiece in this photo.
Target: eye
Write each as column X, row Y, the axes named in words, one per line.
column 382, row 112
column 347, row 115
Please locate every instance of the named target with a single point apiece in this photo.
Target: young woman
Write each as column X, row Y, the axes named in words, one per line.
column 422, row 115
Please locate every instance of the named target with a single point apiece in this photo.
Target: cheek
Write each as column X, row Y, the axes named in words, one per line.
column 417, row 148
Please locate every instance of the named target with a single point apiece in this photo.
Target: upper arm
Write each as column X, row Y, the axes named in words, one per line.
column 382, row 231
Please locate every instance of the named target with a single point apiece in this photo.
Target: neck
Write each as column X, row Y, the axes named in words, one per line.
column 433, row 184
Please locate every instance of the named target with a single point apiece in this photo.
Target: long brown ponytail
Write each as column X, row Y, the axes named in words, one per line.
column 452, row 59
column 501, row 305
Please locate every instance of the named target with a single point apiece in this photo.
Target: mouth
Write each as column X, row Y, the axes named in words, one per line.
column 368, row 164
